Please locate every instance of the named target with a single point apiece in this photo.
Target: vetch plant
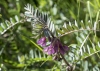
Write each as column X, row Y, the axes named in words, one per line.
column 43, row 26
column 40, row 23
column 72, row 46
column 51, row 43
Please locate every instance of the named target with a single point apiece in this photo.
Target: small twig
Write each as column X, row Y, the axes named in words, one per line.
column 10, row 27
column 70, row 68
column 65, row 60
column 77, row 31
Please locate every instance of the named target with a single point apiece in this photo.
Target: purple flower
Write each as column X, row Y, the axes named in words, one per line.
column 42, row 41
column 55, row 47
column 49, row 50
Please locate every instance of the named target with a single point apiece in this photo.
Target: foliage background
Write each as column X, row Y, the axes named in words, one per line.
column 19, row 51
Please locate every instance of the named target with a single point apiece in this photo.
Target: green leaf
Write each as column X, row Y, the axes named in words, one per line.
column 36, row 45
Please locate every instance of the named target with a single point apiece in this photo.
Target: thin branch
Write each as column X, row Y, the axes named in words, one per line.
column 70, row 67
column 91, row 54
column 77, row 31
column 11, row 27
column 65, row 60
column 84, row 42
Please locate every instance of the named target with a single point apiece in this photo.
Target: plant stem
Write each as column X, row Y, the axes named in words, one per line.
column 65, row 60
column 70, row 67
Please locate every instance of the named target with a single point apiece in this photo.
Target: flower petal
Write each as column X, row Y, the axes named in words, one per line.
column 65, row 48
column 62, row 51
column 49, row 50
column 42, row 41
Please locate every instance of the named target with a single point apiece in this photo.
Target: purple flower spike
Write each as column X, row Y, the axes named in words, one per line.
column 56, row 47
column 42, row 41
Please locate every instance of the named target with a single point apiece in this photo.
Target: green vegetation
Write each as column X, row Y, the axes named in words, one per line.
column 75, row 22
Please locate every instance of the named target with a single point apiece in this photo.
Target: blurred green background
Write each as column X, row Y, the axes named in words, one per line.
column 18, row 50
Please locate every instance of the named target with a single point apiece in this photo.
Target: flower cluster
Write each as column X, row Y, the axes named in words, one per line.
column 55, row 46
